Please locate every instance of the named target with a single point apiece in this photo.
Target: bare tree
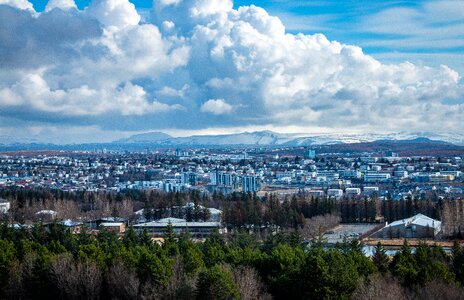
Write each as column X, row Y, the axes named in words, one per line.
column 179, row 286
column 249, row 284
column 122, row 282
column 317, row 225
column 14, row 288
column 90, row 280
column 439, row 290
column 64, row 274
column 76, row 280
column 379, row 287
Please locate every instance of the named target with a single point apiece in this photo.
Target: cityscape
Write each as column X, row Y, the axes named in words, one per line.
column 281, row 171
column 231, row 149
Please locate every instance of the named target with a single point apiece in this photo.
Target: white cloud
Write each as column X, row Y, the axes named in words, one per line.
column 114, row 13
column 61, row 4
column 431, row 24
column 34, row 92
column 216, row 107
column 21, row 4
column 120, row 72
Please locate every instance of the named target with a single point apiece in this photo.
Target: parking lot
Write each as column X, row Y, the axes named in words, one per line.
column 337, row 234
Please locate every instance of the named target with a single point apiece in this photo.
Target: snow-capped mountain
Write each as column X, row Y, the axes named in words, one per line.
column 148, row 137
column 269, row 138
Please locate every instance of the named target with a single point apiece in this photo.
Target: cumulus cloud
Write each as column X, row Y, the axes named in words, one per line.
column 61, row 4
column 21, row 4
column 102, row 67
column 114, row 13
column 216, row 107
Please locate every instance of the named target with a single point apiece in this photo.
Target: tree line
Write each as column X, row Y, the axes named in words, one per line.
column 240, row 210
column 52, row 263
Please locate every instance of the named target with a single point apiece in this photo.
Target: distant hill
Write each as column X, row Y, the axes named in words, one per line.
column 331, row 142
column 273, row 139
column 148, row 137
column 262, row 138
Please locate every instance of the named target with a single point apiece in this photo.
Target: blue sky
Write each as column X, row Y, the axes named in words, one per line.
column 70, row 74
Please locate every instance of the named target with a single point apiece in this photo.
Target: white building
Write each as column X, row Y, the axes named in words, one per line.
column 4, row 206
column 250, row 184
column 327, row 174
column 376, row 177
column 196, row 229
column 353, row 191
column 401, row 174
column 418, row 226
column 368, row 190
column 334, row 193
column 350, row 174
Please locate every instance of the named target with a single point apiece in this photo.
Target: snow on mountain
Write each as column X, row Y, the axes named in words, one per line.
column 269, row 138
column 263, row 138
column 148, row 137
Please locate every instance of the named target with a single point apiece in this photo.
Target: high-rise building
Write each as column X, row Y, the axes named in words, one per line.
column 250, row 184
column 189, row 178
column 223, row 182
column 223, row 179
column 391, row 154
column 310, row 154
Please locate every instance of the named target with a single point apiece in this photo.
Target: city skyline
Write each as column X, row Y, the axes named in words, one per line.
column 91, row 71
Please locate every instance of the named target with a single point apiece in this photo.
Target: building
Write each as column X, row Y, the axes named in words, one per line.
column 190, row 178
column 72, row 226
column 440, row 178
column 334, row 193
column 353, row 191
column 391, row 154
column 118, row 227
column 172, row 186
column 223, row 182
column 350, row 174
column 376, row 177
column 250, row 184
column 369, row 190
column 196, row 229
column 4, row 206
column 310, row 154
column 327, row 175
column 455, row 174
column 222, row 179
column 418, row 226
column 401, row 173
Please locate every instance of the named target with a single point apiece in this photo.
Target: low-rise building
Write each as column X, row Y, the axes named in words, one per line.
column 369, row 190
column 376, row 177
column 196, row 229
column 334, row 193
column 4, row 206
column 352, row 191
column 118, row 227
column 418, row 226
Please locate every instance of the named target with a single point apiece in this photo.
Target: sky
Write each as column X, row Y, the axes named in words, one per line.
column 95, row 71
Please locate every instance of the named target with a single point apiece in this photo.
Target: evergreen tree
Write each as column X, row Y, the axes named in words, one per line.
column 217, row 283
column 380, row 258
column 170, row 244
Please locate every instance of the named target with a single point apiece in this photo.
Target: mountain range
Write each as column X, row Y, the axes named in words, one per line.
column 331, row 141
column 273, row 139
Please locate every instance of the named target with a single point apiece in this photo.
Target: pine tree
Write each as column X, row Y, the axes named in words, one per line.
column 380, row 258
